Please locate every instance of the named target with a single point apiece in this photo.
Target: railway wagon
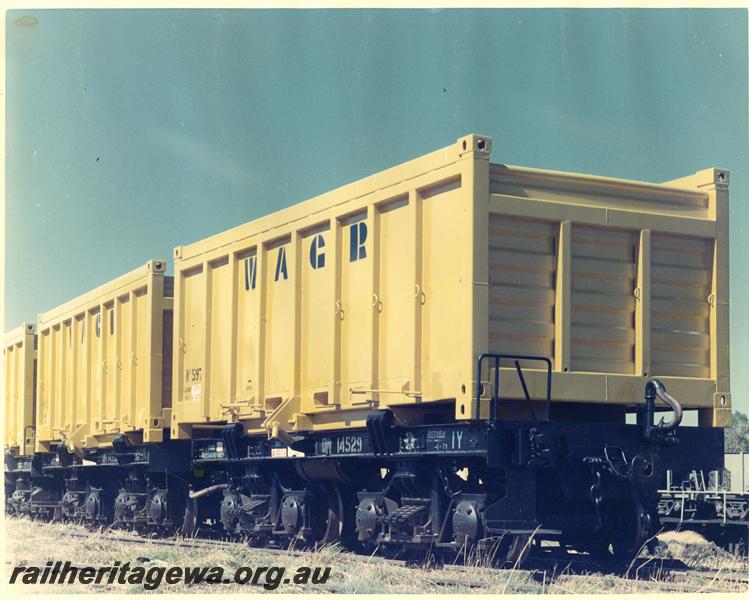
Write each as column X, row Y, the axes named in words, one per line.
column 104, row 388
column 19, row 355
column 443, row 355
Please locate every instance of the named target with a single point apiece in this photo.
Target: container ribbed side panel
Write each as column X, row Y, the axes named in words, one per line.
column 603, row 302
column 522, row 266
column 680, row 320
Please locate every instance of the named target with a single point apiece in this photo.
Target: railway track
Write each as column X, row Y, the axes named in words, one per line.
column 665, row 573
column 201, row 543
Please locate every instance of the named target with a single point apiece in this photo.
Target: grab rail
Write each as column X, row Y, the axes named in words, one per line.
column 494, row 401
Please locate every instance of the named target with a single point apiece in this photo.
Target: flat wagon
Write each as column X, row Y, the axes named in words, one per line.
column 366, row 332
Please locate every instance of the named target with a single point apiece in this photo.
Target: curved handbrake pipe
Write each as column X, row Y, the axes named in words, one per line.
column 655, row 389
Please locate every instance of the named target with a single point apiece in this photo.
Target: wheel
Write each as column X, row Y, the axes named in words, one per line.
column 57, row 514
column 190, row 520
column 257, row 541
column 510, row 551
column 327, row 516
column 396, row 551
column 99, row 509
column 623, row 534
column 348, row 503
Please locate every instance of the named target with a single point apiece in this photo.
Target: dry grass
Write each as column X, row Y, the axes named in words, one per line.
column 695, row 551
column 33, row 543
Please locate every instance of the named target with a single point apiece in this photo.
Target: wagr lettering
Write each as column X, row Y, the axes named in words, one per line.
column 281, row 269
column 357, row 251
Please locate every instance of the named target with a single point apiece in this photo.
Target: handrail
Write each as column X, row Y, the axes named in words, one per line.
column 497, row 358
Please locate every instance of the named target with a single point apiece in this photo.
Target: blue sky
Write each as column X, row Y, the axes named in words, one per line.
column 131, row 132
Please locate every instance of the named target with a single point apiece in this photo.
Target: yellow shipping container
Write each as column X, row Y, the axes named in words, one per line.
column 383, row 293
column 20, row 371
column 100, row 368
